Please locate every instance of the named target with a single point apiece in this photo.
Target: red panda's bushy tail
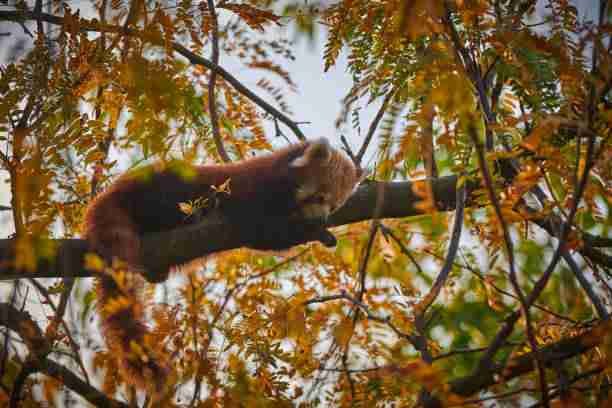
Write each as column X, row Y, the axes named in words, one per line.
column 111, row 234
column 122, row 315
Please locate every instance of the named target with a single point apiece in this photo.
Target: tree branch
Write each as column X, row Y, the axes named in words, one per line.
column 453, row 247
column 373, row 126
column 213, row 234
column 21, row 323
column 500, row 373
column 20, row 16
column 187, row 243
column 212, row 103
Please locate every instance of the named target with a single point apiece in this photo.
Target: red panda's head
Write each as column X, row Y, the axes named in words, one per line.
column 326, row 178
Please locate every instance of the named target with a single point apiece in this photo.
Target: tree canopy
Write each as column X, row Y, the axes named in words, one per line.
column 472, row 266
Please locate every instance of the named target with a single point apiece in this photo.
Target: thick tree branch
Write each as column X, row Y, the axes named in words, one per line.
column 502, row 373
column 215, row 234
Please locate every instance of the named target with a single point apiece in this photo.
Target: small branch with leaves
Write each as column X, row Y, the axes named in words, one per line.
column 94, row 26
column 21, row 323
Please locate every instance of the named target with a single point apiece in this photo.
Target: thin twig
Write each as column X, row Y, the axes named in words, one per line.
column 467, row 266
column 364, row 260
column 58, row 319
column 586, row 285
column 212, row 109
column 349, row 151
column 365, row 309
column 495, row 397
column 453, row 247
column 386, row 231
column 354, row 370
column 373, row 126
column 460, row 351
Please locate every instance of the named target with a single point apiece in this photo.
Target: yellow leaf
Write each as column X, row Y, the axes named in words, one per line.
column 94, row 263
column 343, row 332
column 186, row 208
column 94, row 156
column 223, row 188
column 544, row 129
column 296, row 322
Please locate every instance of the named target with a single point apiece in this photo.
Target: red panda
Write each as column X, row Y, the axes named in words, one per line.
column 301, row 184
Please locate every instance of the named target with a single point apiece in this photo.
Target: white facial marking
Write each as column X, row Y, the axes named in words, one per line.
column 316, row 210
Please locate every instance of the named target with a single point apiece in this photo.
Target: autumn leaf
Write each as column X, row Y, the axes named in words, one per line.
column 254, row 17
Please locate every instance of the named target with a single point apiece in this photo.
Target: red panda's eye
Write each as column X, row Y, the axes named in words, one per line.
column 315, row 199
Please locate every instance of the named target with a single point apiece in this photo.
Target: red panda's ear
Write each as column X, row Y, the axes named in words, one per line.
column 317, row 151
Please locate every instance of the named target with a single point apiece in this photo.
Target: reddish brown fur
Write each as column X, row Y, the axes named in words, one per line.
column 142, row 366
column 147, row 201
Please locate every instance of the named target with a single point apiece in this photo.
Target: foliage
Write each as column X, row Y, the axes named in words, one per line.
column 513, row 96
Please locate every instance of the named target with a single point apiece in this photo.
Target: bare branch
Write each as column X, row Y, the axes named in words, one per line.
column 212, row 103
column 349, row 151
column 380, row 200
column 586, row 285
column 502, row 373
column 373, row 126
column 365, row 309
column 404, row 250
column 452, row 253
column 459, row 351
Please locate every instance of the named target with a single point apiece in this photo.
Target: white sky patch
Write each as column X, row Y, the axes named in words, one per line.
column 6, row 222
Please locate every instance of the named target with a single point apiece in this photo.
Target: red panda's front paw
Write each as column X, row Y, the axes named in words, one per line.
column 278, row 233
column 327, row 238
